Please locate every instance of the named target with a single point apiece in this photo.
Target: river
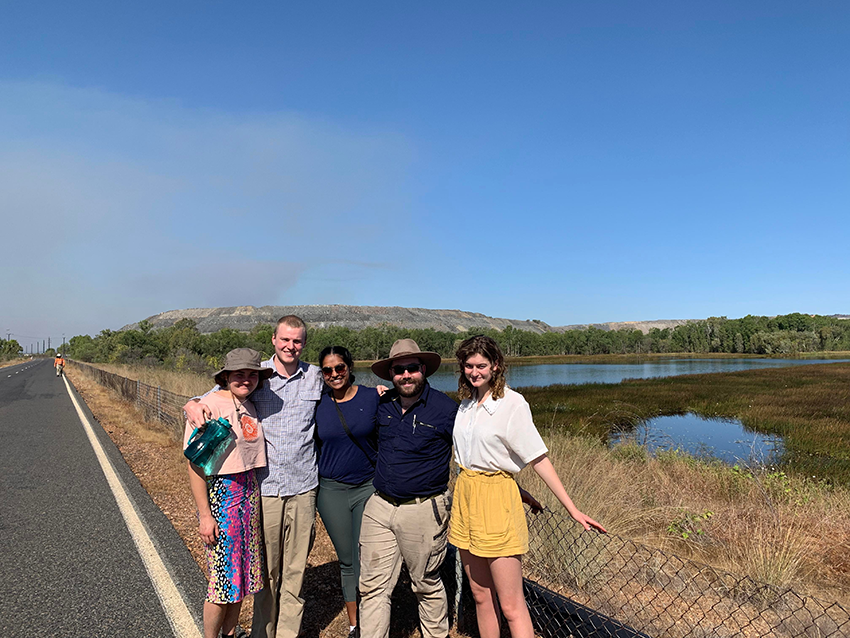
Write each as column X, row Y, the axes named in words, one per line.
column 539, row 375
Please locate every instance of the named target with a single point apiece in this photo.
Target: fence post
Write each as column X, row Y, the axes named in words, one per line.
column 138, row 392
column 158, row 403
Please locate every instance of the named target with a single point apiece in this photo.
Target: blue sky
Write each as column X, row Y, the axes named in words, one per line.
column 569, row 162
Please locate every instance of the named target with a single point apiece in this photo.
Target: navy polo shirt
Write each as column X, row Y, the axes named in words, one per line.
column 414, row 448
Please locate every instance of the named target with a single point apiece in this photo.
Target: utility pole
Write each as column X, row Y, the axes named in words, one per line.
column 63, row 344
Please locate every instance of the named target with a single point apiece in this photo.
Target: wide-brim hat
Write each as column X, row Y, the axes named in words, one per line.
column 402, row 349
column 243, row 359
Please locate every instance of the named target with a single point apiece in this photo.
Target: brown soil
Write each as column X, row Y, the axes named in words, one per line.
column 154, row 455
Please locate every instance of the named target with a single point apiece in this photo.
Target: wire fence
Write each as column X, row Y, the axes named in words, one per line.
column 156, row 404
column 584, row 585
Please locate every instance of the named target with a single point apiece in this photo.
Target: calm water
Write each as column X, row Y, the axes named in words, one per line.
column 445, row 378
column 725, row 439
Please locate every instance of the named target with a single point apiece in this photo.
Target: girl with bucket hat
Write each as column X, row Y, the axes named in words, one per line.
column 228, row 496
column 494, row 438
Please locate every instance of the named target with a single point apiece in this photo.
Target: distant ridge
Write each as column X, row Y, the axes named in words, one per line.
column 643, row 326
column 358, row 317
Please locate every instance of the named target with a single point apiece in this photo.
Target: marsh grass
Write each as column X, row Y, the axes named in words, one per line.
column 809, row 406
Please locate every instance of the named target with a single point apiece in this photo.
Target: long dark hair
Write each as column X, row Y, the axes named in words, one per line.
column 490, row 350
column 343, row 353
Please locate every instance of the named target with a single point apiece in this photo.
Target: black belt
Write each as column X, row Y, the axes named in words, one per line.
column 406, row 501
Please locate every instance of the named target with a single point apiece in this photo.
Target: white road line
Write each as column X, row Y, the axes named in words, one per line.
column 172, row 602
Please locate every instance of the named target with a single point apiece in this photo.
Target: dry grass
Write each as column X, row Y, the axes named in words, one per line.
column 12, row 362
column 776, row 529
column 188, row 384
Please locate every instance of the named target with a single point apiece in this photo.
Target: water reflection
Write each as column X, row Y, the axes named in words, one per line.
column 724, row 439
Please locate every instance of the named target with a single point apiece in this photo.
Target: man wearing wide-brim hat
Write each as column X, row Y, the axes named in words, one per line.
column 407, row 518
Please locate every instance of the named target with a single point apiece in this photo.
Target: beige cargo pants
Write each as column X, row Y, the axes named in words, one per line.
column 415, row 533
column 289, row 530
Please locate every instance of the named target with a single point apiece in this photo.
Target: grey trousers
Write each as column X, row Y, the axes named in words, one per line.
column 341, row 507
column 416, row 534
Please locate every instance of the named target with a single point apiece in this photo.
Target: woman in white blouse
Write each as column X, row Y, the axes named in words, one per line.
column 494, row 438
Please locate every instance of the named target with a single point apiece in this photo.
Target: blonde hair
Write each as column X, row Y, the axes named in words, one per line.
column 490, row 350
column 292, row 321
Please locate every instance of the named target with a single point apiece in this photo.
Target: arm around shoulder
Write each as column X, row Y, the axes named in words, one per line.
column 197, row 411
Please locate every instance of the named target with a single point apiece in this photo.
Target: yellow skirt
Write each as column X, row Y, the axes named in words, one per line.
column 487, row 515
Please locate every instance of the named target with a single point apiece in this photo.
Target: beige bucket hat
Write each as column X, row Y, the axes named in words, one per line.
column 243, row 359
column 402, row 349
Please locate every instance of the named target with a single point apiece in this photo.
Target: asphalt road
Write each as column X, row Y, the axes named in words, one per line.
column 68, row 564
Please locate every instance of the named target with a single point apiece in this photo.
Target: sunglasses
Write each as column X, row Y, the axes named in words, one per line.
column 339, row 368
column 412, row 368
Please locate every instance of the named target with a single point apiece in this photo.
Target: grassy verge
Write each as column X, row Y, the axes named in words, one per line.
column 775, row 528
column 809, row 406
column 11, row 362
column 188, row 384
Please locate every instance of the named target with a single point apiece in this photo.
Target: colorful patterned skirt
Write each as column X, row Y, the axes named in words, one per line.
column 235, row 561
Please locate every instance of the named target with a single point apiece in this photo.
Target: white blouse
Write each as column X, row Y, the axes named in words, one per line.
column 497, row 435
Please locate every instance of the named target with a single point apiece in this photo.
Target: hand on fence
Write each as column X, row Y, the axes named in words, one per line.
column 585, row 521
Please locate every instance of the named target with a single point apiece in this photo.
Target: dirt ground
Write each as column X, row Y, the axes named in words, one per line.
column 154, row 454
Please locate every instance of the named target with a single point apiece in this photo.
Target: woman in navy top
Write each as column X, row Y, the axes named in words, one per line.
column 345, row 430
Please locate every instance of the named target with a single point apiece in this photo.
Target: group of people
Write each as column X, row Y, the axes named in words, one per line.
column 376, row 465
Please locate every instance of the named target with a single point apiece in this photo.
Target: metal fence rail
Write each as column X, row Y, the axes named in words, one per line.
column 584, row 585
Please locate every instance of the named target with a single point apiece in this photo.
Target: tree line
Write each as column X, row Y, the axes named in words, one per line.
column 182, row 346
column 9, row 349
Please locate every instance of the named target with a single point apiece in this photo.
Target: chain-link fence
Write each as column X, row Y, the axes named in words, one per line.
column 587, row 585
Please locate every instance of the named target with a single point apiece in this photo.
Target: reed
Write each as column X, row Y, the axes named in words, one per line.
column 809, row 406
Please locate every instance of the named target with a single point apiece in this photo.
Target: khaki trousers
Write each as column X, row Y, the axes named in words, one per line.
column 289, row 530
column 415, row 533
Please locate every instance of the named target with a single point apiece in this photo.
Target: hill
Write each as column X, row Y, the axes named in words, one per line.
column 244, row 318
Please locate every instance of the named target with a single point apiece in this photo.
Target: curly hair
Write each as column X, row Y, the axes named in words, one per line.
column 490, row 350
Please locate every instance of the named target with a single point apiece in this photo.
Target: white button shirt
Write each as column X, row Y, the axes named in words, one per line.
column 497, row 435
